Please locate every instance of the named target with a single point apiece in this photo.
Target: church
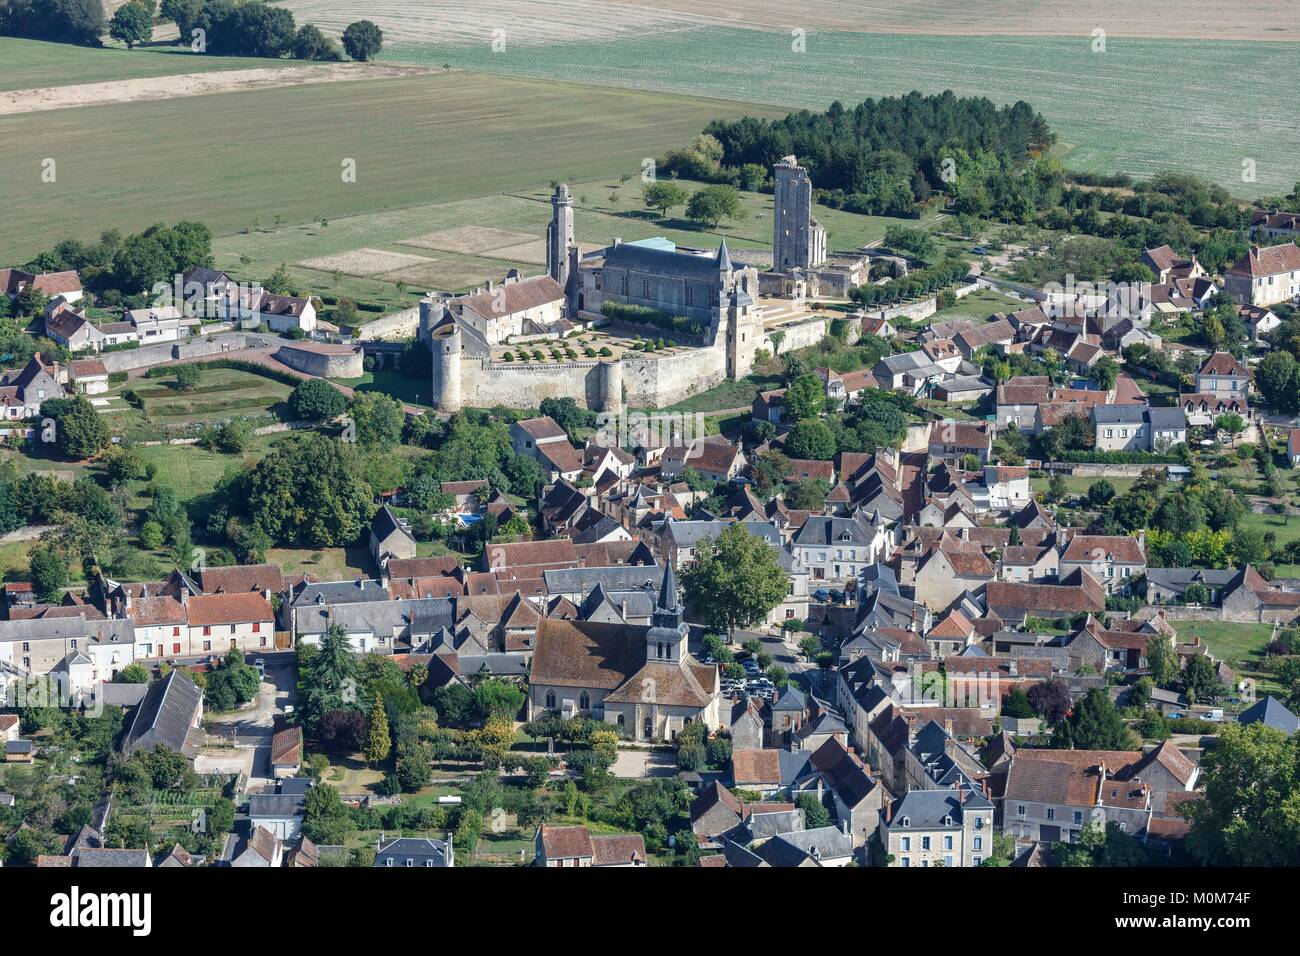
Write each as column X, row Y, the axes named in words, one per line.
column 641, row 679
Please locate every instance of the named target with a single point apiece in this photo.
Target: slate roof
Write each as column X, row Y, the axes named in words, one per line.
column 165, row 716
column 1271, row 712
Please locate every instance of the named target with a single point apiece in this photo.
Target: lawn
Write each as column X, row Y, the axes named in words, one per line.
column 737, row 394
column 412, row 140
column 221, row 393
column 1105, row 107
column 30, row 64
column 1241, row 646
column 392, row 382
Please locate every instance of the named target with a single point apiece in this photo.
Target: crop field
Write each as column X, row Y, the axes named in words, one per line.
column 420, row 139
column 32, row 64
column 507, row 233
column 535, row 21
column 1110, row 109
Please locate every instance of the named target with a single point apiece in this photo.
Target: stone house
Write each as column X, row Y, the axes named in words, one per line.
column 1111, row 559
column 1265, row 275
column 945, row 828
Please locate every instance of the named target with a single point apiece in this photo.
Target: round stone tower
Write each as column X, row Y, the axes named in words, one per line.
column 445, row 345
column 611, row 387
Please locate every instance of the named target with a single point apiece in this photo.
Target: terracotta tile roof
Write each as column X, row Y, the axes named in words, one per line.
column 584, row 654
column 1089, row 547
column 153, row 611
column 1268, row 260
column 57, row 283
column 87, row 368
column 241, row 577
column 1223, row 363
column 558, row 552
column 286, row 746
column 566, row 843
column 512, row 297
column 755, row 766
column 617, row 848
column 243, row 608
column 960, row 434
column 542, row 428
column 422, row 567
column 1072, row 595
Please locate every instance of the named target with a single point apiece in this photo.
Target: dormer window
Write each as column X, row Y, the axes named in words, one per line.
column 906, row 821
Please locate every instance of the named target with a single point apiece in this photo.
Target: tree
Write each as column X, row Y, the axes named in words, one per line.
column 1105, row 372
column 378, row 419
column 1017, row 705
column 49, row 574
column 497, row 699
column 736, row 580
column 812, row 439
column 188, row 377
column 309, row 43
column 1051, row 699
column 132, row 23
column 327, row 676
column 712, row 204
column 1251, row 784
column 378, row 743
column 1199, row 678
column 805, row 398
column 363, row 40
column 1278, row 379
column 310, row 492
column 1232, row 423
column 79, row 430
column 1100, row 493
column 663, row 196
column 317, row 400
column 815, row 813
column 1094, row 724
column 326, row 818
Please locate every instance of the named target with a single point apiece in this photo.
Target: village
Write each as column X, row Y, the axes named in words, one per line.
column 865, row 486
column 990, row 637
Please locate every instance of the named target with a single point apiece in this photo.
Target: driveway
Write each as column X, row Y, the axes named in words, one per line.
column 249, row 730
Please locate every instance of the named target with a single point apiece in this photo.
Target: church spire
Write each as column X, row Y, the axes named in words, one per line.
column 668, row 590
column 724, row 259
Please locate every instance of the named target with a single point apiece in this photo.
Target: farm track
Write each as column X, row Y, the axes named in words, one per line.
column 194, row 84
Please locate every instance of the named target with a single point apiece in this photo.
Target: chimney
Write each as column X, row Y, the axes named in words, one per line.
column 887, row 810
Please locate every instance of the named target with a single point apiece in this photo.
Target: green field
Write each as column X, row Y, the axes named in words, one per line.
column 1241, row 646
column 239, row 160
column 1111, row 107
column 606, row 209
column 31, row 64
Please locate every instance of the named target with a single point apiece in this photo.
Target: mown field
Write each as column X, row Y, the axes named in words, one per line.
column 606, row 209
column 414, row 140
column 1112, row 108
column 31, row 64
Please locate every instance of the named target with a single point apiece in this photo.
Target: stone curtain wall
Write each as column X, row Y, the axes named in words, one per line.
column 193, row 348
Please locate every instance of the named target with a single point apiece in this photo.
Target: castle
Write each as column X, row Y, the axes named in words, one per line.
column 714, row 298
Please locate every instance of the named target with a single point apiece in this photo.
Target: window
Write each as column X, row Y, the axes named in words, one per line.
column 925, row 843
column 207, row 630
column 947, row 860
column 907, row 844
column 257, row 627
column 1051, row 813
column 947, row 843
column 176, row 631
column 207, row 645
column 979, row 823
column 978, row 843
column 584, row 701
column 232, row 629
column 1078, row 817
column 906, row 862
column 1020, row 811
column 176, row 648
column 976, row 860
column 550, row 700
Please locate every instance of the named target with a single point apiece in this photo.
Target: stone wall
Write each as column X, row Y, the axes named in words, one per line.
column 398, row 325
column 668, row 379
column 324, row 362
column 519, row 385
column 197, row 347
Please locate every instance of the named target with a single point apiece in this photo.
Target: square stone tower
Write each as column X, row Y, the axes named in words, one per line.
column 798, row 240
column 560, row 242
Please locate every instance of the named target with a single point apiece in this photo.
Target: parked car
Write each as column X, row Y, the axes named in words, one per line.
column 260, row 664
